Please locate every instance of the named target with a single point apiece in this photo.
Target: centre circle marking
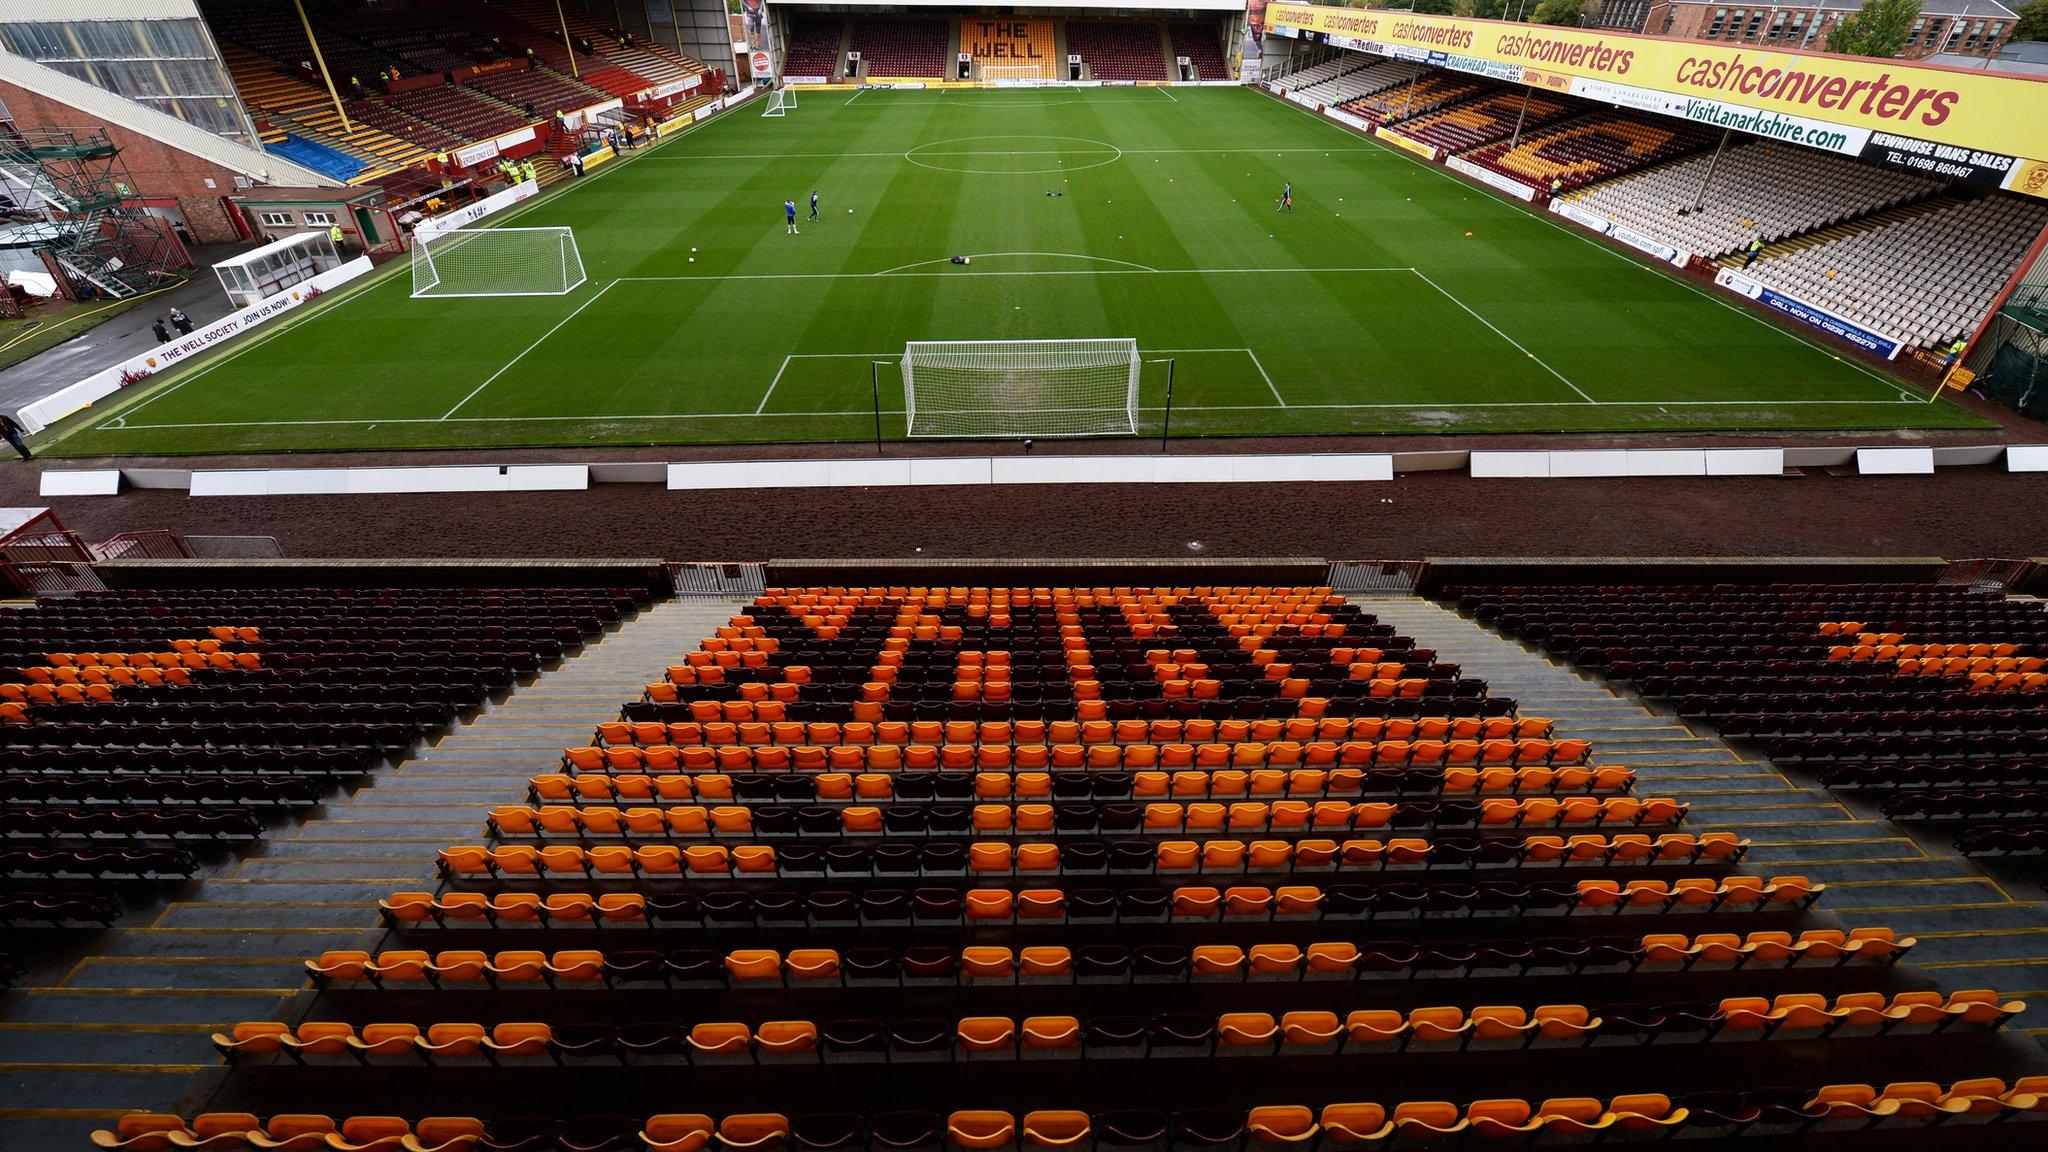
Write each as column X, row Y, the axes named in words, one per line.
column 963, row 161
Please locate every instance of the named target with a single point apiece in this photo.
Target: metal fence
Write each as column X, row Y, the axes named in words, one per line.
column 718, row 579
column 152, row 544
column 1987, row 573
column 1356, row 576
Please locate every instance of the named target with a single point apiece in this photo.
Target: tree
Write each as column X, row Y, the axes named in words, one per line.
column 1449, row 7
column 1566, row 12
column 1880, row 28
column 2033, row 22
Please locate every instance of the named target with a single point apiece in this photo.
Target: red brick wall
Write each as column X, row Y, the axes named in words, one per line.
column 155, row 169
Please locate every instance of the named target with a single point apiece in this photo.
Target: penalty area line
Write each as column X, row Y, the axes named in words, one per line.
column 578, row 311
column 1510, row 339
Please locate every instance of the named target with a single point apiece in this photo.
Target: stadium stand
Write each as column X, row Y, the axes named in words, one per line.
column 1017, row 49
column 463, row 111
column 317, row 156
column 1306, row 78
column 816, row 46
column 884, row 826
column 649, row 61
column 1202, row 44
column 1484, row 120
column 1351, row 85
column 1933, row 697
column 1926, row 279
column 1765, row 190
column 1591, row 148
column 1425, row 93
column 1118, row 51
column 911, row 48
column 143, row 731
column 547, row 90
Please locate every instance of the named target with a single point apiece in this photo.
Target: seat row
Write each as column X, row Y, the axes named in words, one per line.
column 1059, row 965
column 1126, row 857
column 96, row 789
column 98, row 863
column 1072, row 784
column 1299, row 1033
column 32, row 909
column 1273, row 1128
column 985, row 907
column 207, row 823
column 742, row 757
column 694, row 821
column 1301, row 729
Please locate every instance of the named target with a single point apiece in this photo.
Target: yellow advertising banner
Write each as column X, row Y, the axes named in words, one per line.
column 1960, row 124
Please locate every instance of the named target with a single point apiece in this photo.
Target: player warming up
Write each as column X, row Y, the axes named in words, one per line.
column 1286, row 197
column 789, row 214
column 814, row 204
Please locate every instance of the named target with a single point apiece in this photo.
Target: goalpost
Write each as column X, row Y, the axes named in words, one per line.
column 1017, row 75
column 1018, row 388
column 780, row 100
column 495, row 262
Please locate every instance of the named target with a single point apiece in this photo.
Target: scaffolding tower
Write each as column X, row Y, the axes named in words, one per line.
column 84, row 190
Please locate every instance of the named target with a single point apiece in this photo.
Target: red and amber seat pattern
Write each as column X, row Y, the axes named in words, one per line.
column 863, row 827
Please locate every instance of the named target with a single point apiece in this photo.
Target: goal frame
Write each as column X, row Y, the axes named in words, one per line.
column 426, row 275
column 1117, row 416
column 1002, row 74
column 780, row 101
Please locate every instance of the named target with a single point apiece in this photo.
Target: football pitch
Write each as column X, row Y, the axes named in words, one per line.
column 1393, row 298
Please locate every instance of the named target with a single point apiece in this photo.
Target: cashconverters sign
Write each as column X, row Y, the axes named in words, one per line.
column 1961, row 125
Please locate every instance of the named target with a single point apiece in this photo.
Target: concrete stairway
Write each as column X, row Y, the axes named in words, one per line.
column 1974, row 931
column 122, row 1024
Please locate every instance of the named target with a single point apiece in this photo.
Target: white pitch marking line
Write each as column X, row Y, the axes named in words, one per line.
column 993, row 255
column 1579, row 234
column 762, row 407
column 377, row 280
column 1026, row 152
column 530, row 347
column 852, row 98
column 1169, row 95
column 1044, row 272
column 1503, row 335
column 1254, row 356
column 606, row 417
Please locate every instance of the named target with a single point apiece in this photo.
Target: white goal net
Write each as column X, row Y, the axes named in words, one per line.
column 780, row 101
column 495, row 262
column 1018, row 388
column 1019, row 75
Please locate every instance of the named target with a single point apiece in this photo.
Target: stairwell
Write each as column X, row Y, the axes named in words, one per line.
column 1973, row 930
column 121, row 1023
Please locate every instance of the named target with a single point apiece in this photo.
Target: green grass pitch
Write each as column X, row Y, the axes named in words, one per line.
column 1367, row 309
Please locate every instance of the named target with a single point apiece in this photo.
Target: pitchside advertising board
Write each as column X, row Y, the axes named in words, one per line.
column 1986, row 129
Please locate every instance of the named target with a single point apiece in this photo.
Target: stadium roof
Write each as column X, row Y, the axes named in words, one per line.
column 1985, row 9
column 2029, row 64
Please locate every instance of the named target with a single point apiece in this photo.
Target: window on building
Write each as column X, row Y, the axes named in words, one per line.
column 1976, row 31
column 323, row 219
column 1955, row 33
column 1797, row 32
column 1720, row 18
column 276, row 219
column 1932, row 34
column 1756, row 21
column 168, row 65
column 1777, row 26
